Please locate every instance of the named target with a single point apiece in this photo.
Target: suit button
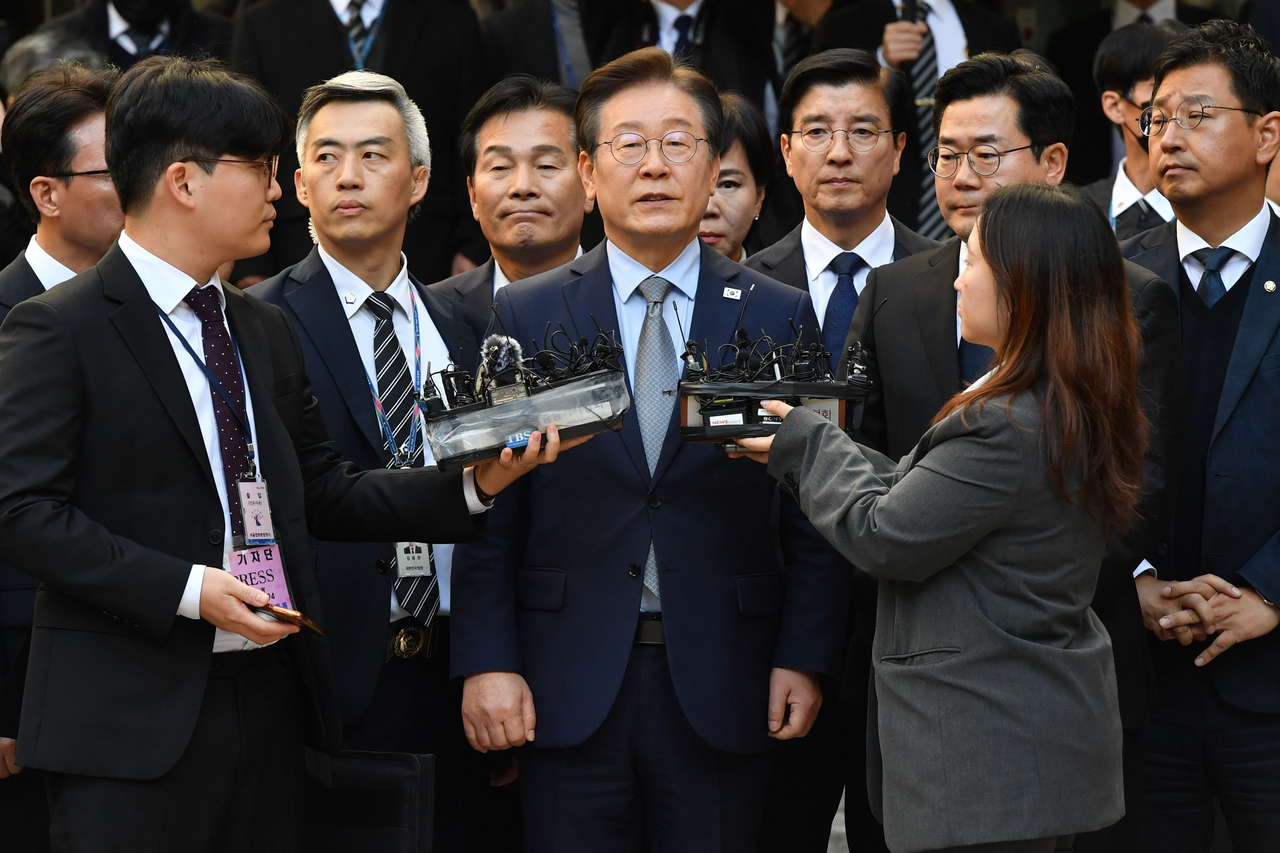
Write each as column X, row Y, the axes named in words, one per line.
column 382, row 567
column 654, row 501
column 215, row 537
column 1163, row 550
column 633, row 570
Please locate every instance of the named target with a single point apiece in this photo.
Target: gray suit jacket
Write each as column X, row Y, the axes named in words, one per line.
column 994, row 714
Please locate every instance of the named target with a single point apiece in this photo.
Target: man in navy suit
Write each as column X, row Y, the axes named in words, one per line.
column 365, row 164
column 1215, row 572
column 631, row 618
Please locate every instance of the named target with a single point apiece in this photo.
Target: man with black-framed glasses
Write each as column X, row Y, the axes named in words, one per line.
column 1003, row 120
column 1214, row 572
column 629, row 619
column 1122, row 72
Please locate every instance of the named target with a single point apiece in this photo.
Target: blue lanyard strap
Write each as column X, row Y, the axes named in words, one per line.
column 217, row 386
column 415, row 422
column 361, row 56
column 572, row 78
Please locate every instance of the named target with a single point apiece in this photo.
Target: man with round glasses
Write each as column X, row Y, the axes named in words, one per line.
column 1003, row 120
column 842, row 114
column 629, row 619
column 1214, row 573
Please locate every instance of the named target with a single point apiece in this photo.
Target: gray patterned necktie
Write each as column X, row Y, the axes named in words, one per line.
column 656, row 375
column 923, row 75
column 356, row 30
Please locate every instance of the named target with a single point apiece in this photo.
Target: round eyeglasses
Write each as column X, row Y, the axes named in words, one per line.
column 266, row 168
column 983, row 159
column 1189, row 114
column 678, row 146
column 819, row 138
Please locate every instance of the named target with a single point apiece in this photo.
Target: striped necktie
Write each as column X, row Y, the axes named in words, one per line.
column 356, row 30
column 923, row 75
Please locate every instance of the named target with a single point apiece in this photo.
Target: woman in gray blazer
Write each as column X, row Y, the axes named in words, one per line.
column 995, row 724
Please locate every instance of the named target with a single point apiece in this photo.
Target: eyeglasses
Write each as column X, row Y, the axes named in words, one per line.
column 267, row 168
column 818, row 137
column 983, row 159
column 1188, row 116
column 677, row 146
column 92, row 173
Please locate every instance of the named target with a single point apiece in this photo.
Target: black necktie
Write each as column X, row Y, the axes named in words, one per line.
column 683, row 25
column 420, row 596
column 356, row 30
column 220, row 358
column 842, row 304
column 1135, row 219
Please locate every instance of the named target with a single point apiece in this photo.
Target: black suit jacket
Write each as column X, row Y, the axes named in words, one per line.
column 433, row 48
column 784, row 260
column 352, row 577
column 906, row 321
column 1071, row 50
column 191, row 33
column 473, row 288
column 1099, row 192
column 521, row 39
column 862, row 24
column 106, row 497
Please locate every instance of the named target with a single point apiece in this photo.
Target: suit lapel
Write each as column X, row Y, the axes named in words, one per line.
column 790, row 268
column 141, row 328
column 21, row 284
column 458, row 337
column 1158, row 252
column 936, row 313
column 1257, row 327
column 315, row 303
column 592, row 295
column 255, row 357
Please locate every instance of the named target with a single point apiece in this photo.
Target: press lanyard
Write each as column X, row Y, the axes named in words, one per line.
column 361, row 56
column 572, row 80
column 222, row 392
column 415, row 421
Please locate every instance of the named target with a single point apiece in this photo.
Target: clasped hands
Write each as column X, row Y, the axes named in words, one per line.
column 1193, row 610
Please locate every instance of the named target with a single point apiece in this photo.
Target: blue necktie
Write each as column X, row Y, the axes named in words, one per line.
column 1211, row 287
column 843, row 302
column 683, row 25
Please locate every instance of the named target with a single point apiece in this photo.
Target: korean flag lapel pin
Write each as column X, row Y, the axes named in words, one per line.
column 732, row 293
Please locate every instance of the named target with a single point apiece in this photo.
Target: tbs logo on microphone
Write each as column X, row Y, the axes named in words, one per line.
column 519, row 439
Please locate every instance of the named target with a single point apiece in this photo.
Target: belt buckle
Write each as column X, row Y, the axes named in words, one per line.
column 409, row 642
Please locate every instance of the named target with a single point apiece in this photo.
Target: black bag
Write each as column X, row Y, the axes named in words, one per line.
column 368, row 801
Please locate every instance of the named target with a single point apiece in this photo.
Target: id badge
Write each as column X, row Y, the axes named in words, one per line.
column 413, row 560
column 255, row 512
column 261, row 568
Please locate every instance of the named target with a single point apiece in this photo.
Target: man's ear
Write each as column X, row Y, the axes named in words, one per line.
column 1267, row 129
column 421, row 177
column 300, row 189
column 471, row 196
column 587, row 171
column 1054, row 163
column 180, row 183
column 45, row 195
column 784, row 143
column 1111, row 107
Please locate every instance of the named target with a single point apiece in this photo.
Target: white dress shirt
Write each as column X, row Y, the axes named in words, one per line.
column 876, row 250
column 1125, row 195
column 369, row 12
column 667, row 14
column 629, row 302
column 167, row 286
column 45, row 266
column 353, row 293
column 1126, row 13
column 949, row 40
column 117, row 26
column 964, row 262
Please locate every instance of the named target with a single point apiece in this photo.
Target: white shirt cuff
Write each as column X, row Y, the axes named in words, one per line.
column 189, row 606
column 1143, row 568
column 474, row 506
column 880, row 57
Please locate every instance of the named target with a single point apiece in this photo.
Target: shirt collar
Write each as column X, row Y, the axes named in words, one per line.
column 934, row 5
column 1247, row 241
column 1127, row 13
column 353, row 291
column 629, row 273
column 166, row 284
column 964, row 255
column 118, row 26
column 667, row 13
column 1125, row 195
column 876, row 249
column 46, row 267
column 500, row 279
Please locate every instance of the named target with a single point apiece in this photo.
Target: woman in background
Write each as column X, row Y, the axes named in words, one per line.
column 746, row 163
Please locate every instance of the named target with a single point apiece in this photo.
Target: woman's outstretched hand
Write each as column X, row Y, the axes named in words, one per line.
column 758, row 448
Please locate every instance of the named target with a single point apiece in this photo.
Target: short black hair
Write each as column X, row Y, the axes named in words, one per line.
column 648, row 65
column 1127, row 56
column 1248, row 58
column 512, row 94
column 840, row 67
column 36, row 135
column 744, row 123
column 1046, row 108
column 166, row 108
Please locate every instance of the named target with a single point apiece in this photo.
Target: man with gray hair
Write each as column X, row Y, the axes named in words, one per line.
column 371, row 334
column 30, row 55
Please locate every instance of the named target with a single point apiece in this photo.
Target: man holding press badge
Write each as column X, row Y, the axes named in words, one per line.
column 154, row 427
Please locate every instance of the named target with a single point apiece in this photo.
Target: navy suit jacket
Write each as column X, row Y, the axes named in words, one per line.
column 473, row 288
column 1242, row 501
column 554, row 591
column 17, row 590
column 354, row 584
column 784, row 260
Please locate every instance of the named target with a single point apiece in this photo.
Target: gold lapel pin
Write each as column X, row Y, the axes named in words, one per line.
column 1269, row 287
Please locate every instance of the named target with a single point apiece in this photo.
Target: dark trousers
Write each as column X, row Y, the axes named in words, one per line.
column 237, row 787
column 1125, row 835
column 643, row 780
column 24, row 808
column 416, row 708
column 1199, row 747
